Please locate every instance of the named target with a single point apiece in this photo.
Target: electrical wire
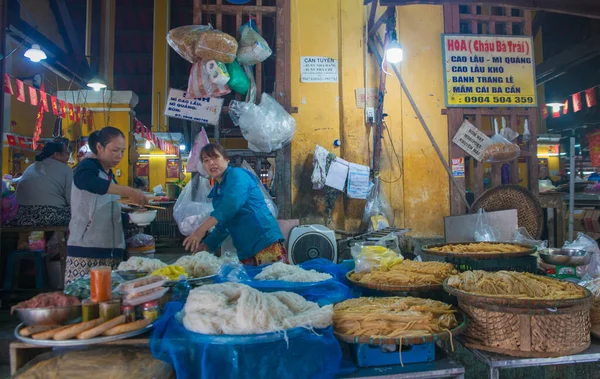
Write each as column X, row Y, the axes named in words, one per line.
column 395, row 154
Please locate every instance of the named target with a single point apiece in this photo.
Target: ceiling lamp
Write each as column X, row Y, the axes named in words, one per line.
column 148, row 146
column 35, row 54
column 96, row 83
column 182, row 147
column 555, row 106
column 393, row 54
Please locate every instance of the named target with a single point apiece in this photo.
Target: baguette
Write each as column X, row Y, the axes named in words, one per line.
column 130, row 327
column 34, row 329
column 101, row 328
column 74, row 330
column 49, row 334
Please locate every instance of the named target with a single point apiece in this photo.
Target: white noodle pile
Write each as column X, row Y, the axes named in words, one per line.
column 233, row 308
column 289, row 273
column 141, row 264
column 200, row 264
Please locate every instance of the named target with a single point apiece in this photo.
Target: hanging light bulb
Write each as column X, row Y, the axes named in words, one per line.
column 96, row 84
column 148, row 146
column 394, row 53
column 555, row 106
column 182, row 147
column 35, row 54
column 26, row 160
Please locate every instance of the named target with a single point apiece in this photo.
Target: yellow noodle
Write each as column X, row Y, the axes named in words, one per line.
column 515, row 285
column 393, row 317
column 480, row 247
column 408, row 273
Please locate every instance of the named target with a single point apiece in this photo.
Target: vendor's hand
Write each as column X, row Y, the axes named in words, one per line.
column 193, row 243
column 137, row 196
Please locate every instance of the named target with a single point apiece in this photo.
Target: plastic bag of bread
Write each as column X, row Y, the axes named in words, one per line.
column 195, row 42
column 202, row 84
column 253, row 48
column 500, row 150
column 97, row 363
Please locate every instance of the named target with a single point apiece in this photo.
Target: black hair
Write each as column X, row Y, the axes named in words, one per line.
column 139, row 183
column 57, row 145
column 103, row 137
column 212, row 150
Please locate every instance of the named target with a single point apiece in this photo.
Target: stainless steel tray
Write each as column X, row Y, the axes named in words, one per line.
column 76, row 342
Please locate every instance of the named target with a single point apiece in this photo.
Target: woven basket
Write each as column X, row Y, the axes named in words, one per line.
column 525, row 251
column 529, row 211
column 535, row 333
column 393, row 288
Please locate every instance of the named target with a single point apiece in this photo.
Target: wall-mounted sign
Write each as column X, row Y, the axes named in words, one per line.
column 142, row 167
column 204, row 109
column 471, row 140
column 485, row 71
column 318, row 70
column 371, row 99
column 458, row 167
column 172, row 168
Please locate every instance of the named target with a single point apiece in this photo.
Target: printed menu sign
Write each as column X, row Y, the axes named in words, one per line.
column 484, row 71
column 204, row 109
column 318, row 70
column 172, row 168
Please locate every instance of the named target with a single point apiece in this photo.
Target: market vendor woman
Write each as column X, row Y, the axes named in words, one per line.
column 240, row 211
column 96, row 228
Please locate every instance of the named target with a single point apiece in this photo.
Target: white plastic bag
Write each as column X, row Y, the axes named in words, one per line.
column 268, row 199
column 584, row 242
column 484, row 232
column 253, row 48
column 194, row 164
column 267, row 126
column 500, row 149
column 378, row 213
column 202, row 84
column 372, row 255
column 507, row 132
column 523, row 237
column 193, row 206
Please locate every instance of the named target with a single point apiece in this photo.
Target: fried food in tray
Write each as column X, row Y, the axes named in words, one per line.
column 407, row 273
column 393, row 317
column 478, row 247
column 515, row 285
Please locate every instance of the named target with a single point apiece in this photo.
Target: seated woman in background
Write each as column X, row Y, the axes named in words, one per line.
column 44, row 191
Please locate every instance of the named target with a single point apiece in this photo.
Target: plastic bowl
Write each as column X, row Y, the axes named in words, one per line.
column 143, row 218
column 48, row 316
column 566, row 257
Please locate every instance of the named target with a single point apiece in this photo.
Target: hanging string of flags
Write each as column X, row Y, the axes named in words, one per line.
column 591, row 100
column 143, row 131
column 59, row 107
column 26, row 143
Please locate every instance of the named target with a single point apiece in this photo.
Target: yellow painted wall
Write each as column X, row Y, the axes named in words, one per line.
column 327, row 111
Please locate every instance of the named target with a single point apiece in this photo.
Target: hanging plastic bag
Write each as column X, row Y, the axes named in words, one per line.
column 378, row 212
column 268, row 198
column 484, row 232
column 10, row 206
column 239, row 81
column 267, row 126
column 586, row 243
column 253, row 48
column 194, row 164
column 193, row 206
column 523, row 237
column 507, row 132
column 251, row 95
column 500, row 149
column 202, row 84
column 196, row 42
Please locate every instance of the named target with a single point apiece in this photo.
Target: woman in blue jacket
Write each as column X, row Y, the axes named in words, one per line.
column 240, row 211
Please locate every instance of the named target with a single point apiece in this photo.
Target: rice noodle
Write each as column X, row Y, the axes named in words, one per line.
column 233, row 308
column 289, row 273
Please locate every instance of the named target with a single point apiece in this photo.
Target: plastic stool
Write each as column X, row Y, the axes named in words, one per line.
column 14, row 262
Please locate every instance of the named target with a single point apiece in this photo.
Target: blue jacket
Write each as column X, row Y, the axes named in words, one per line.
column 240, row 208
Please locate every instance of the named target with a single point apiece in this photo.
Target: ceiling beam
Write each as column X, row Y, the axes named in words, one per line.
column 65, row 24
column 559, row 64
column 583, row 8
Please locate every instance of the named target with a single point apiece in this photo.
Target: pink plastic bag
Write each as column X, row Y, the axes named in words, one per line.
column 194, row 164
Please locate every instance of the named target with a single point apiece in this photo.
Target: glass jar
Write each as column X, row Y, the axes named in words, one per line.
column 150, row 310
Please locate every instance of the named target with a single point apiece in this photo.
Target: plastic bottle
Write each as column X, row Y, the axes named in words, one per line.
column 181, row 290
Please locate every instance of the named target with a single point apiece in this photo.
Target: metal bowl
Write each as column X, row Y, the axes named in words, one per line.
column 48, row 316
column 131, row 274
column 566, row 257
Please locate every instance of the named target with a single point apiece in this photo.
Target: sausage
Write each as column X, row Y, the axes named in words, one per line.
column 34, row 329
column 49, row 334
column 74, row 330
column 101, row 328
column 141, row 282
column 130, row 296
column 136, row 325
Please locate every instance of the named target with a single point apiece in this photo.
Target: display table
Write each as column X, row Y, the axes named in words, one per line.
column 495, row 362
column 21, row 353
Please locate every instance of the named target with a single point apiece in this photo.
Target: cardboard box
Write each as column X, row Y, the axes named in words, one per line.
column 578, row 219
column 596, row 221
column 588, row 220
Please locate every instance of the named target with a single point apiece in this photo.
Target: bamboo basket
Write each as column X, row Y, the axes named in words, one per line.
column 522, row 332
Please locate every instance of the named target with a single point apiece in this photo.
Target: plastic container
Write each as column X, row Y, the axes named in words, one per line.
column 150, row 310
column 181, row 290
column 155, row 294
column 141, row 285
column 100, row 283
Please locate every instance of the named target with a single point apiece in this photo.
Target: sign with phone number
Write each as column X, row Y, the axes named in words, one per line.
column 484, row 71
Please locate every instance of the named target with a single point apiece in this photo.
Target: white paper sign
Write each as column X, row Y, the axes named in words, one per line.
column 371, row 99
column 205, row 109
column 318, row 70
column 337, row 174
column 471, row 140
column 358, row 181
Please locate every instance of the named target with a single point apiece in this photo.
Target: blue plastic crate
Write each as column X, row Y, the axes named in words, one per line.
column 375, row 355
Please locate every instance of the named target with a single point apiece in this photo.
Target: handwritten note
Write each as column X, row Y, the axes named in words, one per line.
column 358, row 181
